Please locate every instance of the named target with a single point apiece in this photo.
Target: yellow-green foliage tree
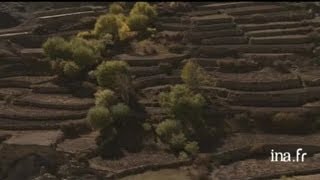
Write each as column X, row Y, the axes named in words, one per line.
column 105, row 97
column 70, row 58
column 120, row 26
column 188, row 128
column 141, row 16
column 99, row 117
column 124, row 131
column 108, row 72
column 138, row 22
column 186, row 110
column 57, row 48
column 144, row 8
column 107, row 24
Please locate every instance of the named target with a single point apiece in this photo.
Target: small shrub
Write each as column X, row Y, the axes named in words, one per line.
column 116, row 8
column 105, row 98
column 108, row 71
column 138, row 22
column 187, row 109
column 57, row 48
column 71, row 69
column 166, row 128
column 144, row 8
column 84, row 56
column 182, row 103
column 177, row 142
column 192, row 148
column 120, row 111
column 99, row 117
column 106, row 24
column 193, row 75
column 114, row 25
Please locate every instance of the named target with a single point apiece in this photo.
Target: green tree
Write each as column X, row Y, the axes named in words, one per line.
column 144, row 8
column 57, row 48
column 108, row 72
column 105, row 98
column 99, row 117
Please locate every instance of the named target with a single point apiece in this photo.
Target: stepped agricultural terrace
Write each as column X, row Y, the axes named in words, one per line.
column 263, row 56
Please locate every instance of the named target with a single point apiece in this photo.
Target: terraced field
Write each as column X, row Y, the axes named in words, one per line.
column 242, row 45
column 260, row 53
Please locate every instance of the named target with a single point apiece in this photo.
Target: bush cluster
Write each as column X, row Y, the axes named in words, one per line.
column 113, row 24
column 187, row 125
column 182, row 103
column 144, row 8
column 75, row 57
column 108, row 73
column 114, row 109
column 170, row 131
column 105, row 97
column 57, row 48
column 122, row 27
column 138, row 22
column 110, row 117
column 99, row 117
column 70, row 58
